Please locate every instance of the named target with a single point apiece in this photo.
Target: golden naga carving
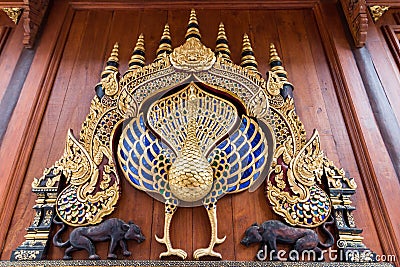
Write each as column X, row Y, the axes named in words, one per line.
column 188, row 129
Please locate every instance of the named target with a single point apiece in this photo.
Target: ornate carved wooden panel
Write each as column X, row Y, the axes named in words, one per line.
column 86, row 39
column 355, row 12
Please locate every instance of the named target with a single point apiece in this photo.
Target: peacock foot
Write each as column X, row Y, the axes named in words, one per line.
column 201, row 252
column 174, row 252
column 170, row 251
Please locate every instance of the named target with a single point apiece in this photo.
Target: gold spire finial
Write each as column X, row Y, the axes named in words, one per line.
column 222, row 46
column 193, row 27
column 138, row 59
column 276, row 63
column 112, row 62
column 248, row 60
column 165, row 44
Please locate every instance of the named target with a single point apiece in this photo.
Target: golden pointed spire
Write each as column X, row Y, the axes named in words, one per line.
column 138, row 59
column 112, row 62
column 222, row 46
column 276, row 63
column 248, row 60
column 165, row 44
column 193, row 26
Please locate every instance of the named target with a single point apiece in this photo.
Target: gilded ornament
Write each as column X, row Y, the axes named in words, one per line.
column 190, row 123
column 14, row 13
column 378, row 11
column 222, row 47
column 138, row 55
column 165, row 47
column 192, row 56
column 190, row 128
column 248, row 60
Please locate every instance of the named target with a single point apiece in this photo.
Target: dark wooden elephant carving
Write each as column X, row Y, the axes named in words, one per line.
column 269, row 233
column 115, row 230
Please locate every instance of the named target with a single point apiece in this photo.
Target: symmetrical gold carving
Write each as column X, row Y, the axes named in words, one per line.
column 175, row 166
column 14, row 13
column 180, row 142
column 377, row 11
column 192, row 56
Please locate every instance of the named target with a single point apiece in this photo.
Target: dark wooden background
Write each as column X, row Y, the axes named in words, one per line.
column 311, row 40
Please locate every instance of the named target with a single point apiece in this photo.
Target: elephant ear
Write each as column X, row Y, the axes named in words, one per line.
column 125, row 227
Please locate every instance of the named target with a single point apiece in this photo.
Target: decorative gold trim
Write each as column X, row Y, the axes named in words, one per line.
column 14, row 13
column 377, row 11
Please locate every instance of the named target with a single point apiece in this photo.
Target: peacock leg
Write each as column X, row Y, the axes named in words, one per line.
column 209, row 251
column 169, row 212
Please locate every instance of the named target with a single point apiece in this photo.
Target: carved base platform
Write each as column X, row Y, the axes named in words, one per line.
column 159, row 263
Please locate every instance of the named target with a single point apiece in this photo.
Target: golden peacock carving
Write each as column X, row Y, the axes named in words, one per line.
column 188, row 129
column 195, row 143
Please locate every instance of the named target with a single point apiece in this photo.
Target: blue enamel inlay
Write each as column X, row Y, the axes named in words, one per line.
column 239, row 141
column 250, row 131
column 223, row 144
column 121, row 152
column 142, row 122
column 126, row 145
column 156, row 149
column 146, row 164
column 228, row 150
column 151, row 157
column 260, row 162
column 244, row 185
column 232, row 179
column 146, row 141
column 247, row 173
column 136, row 182
column 146, row 175
column 148, row 186
column 256, row 175
column 139, row 149
column 133, row 169
column 230, row 189
column 256, row 140
column 234, row 168
column 258, row 151
column 245, row 148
